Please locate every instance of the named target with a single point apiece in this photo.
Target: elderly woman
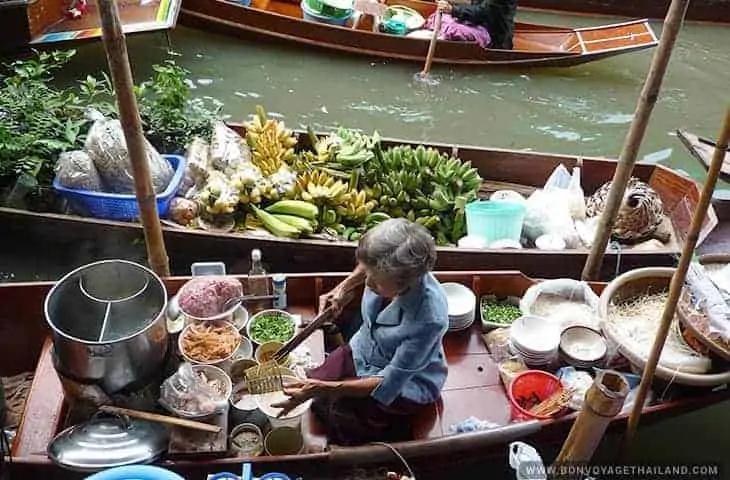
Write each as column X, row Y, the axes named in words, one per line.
column 394, row 366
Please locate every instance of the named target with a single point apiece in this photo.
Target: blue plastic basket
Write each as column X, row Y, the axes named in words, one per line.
column 116, row 206
column 495, row 220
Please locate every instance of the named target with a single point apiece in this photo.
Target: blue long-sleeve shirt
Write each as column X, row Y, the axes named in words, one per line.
column 402, row 343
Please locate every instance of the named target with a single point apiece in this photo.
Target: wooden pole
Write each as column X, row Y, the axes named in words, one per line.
column 432, row 44
column 603, row 401
column 675, row 287
column 116, row 54
column 622, row 175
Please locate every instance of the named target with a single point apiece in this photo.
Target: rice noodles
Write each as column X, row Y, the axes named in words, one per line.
column 210, row 341
column 636, row 323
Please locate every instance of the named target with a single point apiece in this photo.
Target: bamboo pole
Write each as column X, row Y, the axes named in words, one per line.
column 603, row 401
column 675, row 287
column 121, row 74
column 647, row 100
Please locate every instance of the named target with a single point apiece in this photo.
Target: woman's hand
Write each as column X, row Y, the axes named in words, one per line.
column 300, row 392
column 335, row 299
column 444, row 6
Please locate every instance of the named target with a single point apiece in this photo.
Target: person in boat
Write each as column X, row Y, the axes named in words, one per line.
column 394, row 366
column 497, row 16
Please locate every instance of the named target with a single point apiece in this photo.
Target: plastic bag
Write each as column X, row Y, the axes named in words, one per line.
column 578, row 380
column 526, row 462
column 548, row 213
column 182, row 210
column 187, row 394
column 570, row 302
column 577, row 198
column 509, row 368
column 710, row 301
column 107, row 147
column 497, row 342
column 76, row 170
column 228, row 151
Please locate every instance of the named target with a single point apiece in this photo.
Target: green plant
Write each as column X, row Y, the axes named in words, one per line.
column 170, row 116
column 37, row 121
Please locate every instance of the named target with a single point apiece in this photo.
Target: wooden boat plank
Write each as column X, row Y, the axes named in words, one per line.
column 471, row 370
column 45, row 400
column 702, row 150
column 282, row 20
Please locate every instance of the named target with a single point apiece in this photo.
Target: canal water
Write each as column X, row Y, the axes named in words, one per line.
column 580, row 110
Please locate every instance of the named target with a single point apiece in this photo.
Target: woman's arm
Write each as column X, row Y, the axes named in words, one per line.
column 337, row 296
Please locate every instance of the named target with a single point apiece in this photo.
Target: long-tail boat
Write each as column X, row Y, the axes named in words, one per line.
column 702, row 150
column 534, row 45
column 500, row 168
column 33, row 23
column 473, row 388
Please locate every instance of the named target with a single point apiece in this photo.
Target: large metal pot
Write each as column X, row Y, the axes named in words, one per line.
column 108, row 324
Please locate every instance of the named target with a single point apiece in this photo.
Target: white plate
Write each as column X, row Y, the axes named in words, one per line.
column 462, row 301
column 536, row 335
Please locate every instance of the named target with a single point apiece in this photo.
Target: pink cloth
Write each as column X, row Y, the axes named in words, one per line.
column 451, row 29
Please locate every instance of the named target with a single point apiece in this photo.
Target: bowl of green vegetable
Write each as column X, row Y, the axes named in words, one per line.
column 271, row 326
column 499, row 312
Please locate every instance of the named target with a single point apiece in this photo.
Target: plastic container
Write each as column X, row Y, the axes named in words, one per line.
column 312, row 16
column 495, row 220
column 528, row 384
column 292, row 419
column 116, row 206
column 274, row 476
column 136, row 472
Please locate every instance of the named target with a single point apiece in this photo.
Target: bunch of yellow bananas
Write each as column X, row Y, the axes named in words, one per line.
column 272, row 144
column 320, row 188
column 355, row 207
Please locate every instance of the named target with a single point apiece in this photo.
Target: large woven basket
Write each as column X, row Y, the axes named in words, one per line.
column 646, row 281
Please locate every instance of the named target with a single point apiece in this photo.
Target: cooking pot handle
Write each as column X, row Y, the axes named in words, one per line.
column 121, row 419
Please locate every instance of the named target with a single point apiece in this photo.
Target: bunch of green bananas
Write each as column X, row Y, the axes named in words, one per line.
column 425, row 186
column 353, row 233
column 288, row 218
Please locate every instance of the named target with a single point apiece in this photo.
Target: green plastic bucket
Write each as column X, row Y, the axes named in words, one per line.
column 495, row 220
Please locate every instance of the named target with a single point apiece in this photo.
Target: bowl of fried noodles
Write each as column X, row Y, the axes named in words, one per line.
column 209, row 343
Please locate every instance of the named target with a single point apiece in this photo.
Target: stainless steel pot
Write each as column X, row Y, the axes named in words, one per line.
column 108, row 324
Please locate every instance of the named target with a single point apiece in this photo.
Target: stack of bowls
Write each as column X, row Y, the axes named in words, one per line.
column 535, row 339
column 582, row 347
column 462, row 306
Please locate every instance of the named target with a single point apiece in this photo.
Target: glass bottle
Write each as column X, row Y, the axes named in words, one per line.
column 258, row 283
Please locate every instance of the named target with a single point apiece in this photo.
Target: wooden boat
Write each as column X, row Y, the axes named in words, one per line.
column 702, row 149
column 31, row 23
column 473, row 388
column 501, row 168
column 534, row 45
column 700, row 11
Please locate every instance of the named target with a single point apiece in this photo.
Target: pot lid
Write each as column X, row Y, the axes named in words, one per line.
column 108, row 440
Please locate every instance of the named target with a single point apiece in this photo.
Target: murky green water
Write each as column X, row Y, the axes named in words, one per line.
column 581, row 110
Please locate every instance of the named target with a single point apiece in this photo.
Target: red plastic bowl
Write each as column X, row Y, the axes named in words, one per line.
column 534, row 384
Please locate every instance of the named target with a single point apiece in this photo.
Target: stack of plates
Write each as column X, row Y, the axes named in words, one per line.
column 462, row 306
column 535, row 339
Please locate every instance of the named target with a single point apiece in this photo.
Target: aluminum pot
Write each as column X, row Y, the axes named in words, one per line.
column 108, row 324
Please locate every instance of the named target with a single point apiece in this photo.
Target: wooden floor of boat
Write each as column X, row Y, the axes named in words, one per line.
column 473, row 388
column 129, row 13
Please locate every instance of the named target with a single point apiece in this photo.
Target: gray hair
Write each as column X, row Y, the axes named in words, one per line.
column 400, row 249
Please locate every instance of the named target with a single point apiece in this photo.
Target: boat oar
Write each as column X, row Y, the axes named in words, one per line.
column 677, row 283
column 424, row 76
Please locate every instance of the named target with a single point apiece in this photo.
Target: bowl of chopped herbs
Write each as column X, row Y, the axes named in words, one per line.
column 271, row 326
column 499, row 312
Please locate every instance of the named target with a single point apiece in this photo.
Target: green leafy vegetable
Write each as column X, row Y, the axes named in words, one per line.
column 504, row 313
column 272, row 326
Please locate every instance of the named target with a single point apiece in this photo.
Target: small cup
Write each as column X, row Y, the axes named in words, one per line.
column 256, row 449
column 284, row 441
column 268, row 349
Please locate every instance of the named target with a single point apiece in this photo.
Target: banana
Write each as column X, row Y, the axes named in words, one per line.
column 376, row 217
column 301, row 224
column 297, row 208
column 274, row 225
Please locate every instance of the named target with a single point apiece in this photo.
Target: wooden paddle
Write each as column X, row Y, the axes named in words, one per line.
column 423, row 76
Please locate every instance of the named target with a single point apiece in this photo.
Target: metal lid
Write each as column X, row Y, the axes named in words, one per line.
column 108, row 440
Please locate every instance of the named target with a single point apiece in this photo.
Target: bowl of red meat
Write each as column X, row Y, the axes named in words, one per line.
column 203, row 298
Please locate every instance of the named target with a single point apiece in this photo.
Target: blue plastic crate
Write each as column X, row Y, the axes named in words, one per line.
column 116, row 206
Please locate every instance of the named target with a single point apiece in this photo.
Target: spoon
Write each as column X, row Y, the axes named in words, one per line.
column 228, row 304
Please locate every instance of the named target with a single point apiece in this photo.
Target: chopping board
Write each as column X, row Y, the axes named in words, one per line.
column 185, row 442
